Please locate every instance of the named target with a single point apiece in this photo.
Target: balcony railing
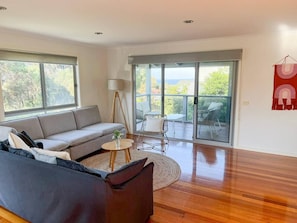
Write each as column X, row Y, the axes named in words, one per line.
column 184, row 104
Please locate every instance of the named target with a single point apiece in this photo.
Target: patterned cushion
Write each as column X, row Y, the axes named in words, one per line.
column 27, row 139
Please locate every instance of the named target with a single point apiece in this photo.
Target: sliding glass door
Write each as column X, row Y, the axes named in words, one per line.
column 147, row 91
column 215, row 101
column 196, row 97
column 179, row 85
column 176, row 101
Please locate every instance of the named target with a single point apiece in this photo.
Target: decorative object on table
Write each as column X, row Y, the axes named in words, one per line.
column 117, row 85
column 166, row 170
column 117, row 135
column 285, row 85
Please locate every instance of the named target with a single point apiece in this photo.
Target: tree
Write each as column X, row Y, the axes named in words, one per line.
column 59, row 84
column 20, row 85
column 217, row 83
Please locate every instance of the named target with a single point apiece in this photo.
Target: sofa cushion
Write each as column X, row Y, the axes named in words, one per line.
column 87, row 116
column 75, row 137
column 55, row 145
column 16, row 142
column 29, row 125
column 43, row 157
column 6, row 147
column 60, row 154
column 104, row 128
column 154, row 124
column 55, row 123
column 21, row 152
column 77, row 166
column 126, row 172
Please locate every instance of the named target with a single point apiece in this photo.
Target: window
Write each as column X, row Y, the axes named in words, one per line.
column 34, row 82
column 59, row 84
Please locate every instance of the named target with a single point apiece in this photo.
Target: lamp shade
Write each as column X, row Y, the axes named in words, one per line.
column 116, row 84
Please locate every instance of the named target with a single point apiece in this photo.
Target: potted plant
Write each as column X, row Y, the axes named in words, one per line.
column 117, row 135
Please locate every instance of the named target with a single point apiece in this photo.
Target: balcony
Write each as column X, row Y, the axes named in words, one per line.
column 180, row 112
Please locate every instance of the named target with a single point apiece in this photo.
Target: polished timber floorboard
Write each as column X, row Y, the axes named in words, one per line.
column 227, row 185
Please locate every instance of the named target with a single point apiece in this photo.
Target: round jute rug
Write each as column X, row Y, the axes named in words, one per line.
column 166, row 170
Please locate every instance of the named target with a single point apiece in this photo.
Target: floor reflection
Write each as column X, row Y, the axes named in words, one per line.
column 209, row 164
column 199, row 162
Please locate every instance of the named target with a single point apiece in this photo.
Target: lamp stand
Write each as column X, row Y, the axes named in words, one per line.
column 116, row 96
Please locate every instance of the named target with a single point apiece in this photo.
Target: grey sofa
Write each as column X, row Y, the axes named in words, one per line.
column 79, row 131
column 43, row 192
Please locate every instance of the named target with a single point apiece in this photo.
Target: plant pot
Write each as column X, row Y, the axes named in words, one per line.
column 118, row 143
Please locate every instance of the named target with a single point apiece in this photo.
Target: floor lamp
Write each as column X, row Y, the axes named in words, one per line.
column 116, row 85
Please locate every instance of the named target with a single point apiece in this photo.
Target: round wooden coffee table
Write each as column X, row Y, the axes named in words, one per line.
column 111, row 146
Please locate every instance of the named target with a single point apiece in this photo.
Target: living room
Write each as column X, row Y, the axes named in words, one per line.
column 256, row 127
column 255, row 81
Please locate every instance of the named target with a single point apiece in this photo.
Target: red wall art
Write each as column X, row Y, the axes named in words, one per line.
column 285, row 87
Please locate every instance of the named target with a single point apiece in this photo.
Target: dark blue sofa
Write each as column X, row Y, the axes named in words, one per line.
column 43, row 192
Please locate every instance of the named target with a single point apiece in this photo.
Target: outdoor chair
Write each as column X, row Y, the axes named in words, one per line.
column 155, row 126
column 210, row 118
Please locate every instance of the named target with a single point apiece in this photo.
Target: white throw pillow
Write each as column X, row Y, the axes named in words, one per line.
column 60, row 154
column 17, row 142
column 154, row 124
column 44, row 158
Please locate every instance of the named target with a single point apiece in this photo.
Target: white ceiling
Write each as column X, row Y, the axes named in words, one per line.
column 126, row 22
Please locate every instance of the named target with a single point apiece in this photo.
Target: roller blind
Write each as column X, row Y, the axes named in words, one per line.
column 37, row 57
column 223, row 55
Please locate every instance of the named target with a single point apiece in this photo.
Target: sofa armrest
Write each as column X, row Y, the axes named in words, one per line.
column 30, row 125
column 135, row 196
column 4, row 132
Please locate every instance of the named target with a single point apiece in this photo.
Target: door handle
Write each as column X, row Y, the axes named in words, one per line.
column 195, row 100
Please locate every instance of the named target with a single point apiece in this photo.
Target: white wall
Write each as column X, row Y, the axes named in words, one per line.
column 257, row 127
column 92, row 64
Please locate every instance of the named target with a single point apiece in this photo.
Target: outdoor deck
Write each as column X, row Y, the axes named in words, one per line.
column 184, row 131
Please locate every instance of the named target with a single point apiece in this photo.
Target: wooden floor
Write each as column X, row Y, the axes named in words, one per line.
column 227, row 185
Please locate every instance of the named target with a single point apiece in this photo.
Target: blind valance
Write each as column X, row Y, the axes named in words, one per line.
column 223, row 55
column 37, row 57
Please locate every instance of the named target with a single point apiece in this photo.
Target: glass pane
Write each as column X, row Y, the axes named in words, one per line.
column 147, row 91
column 178, row 99
column 21, row 88
column 214, row 101
column 59, row 84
